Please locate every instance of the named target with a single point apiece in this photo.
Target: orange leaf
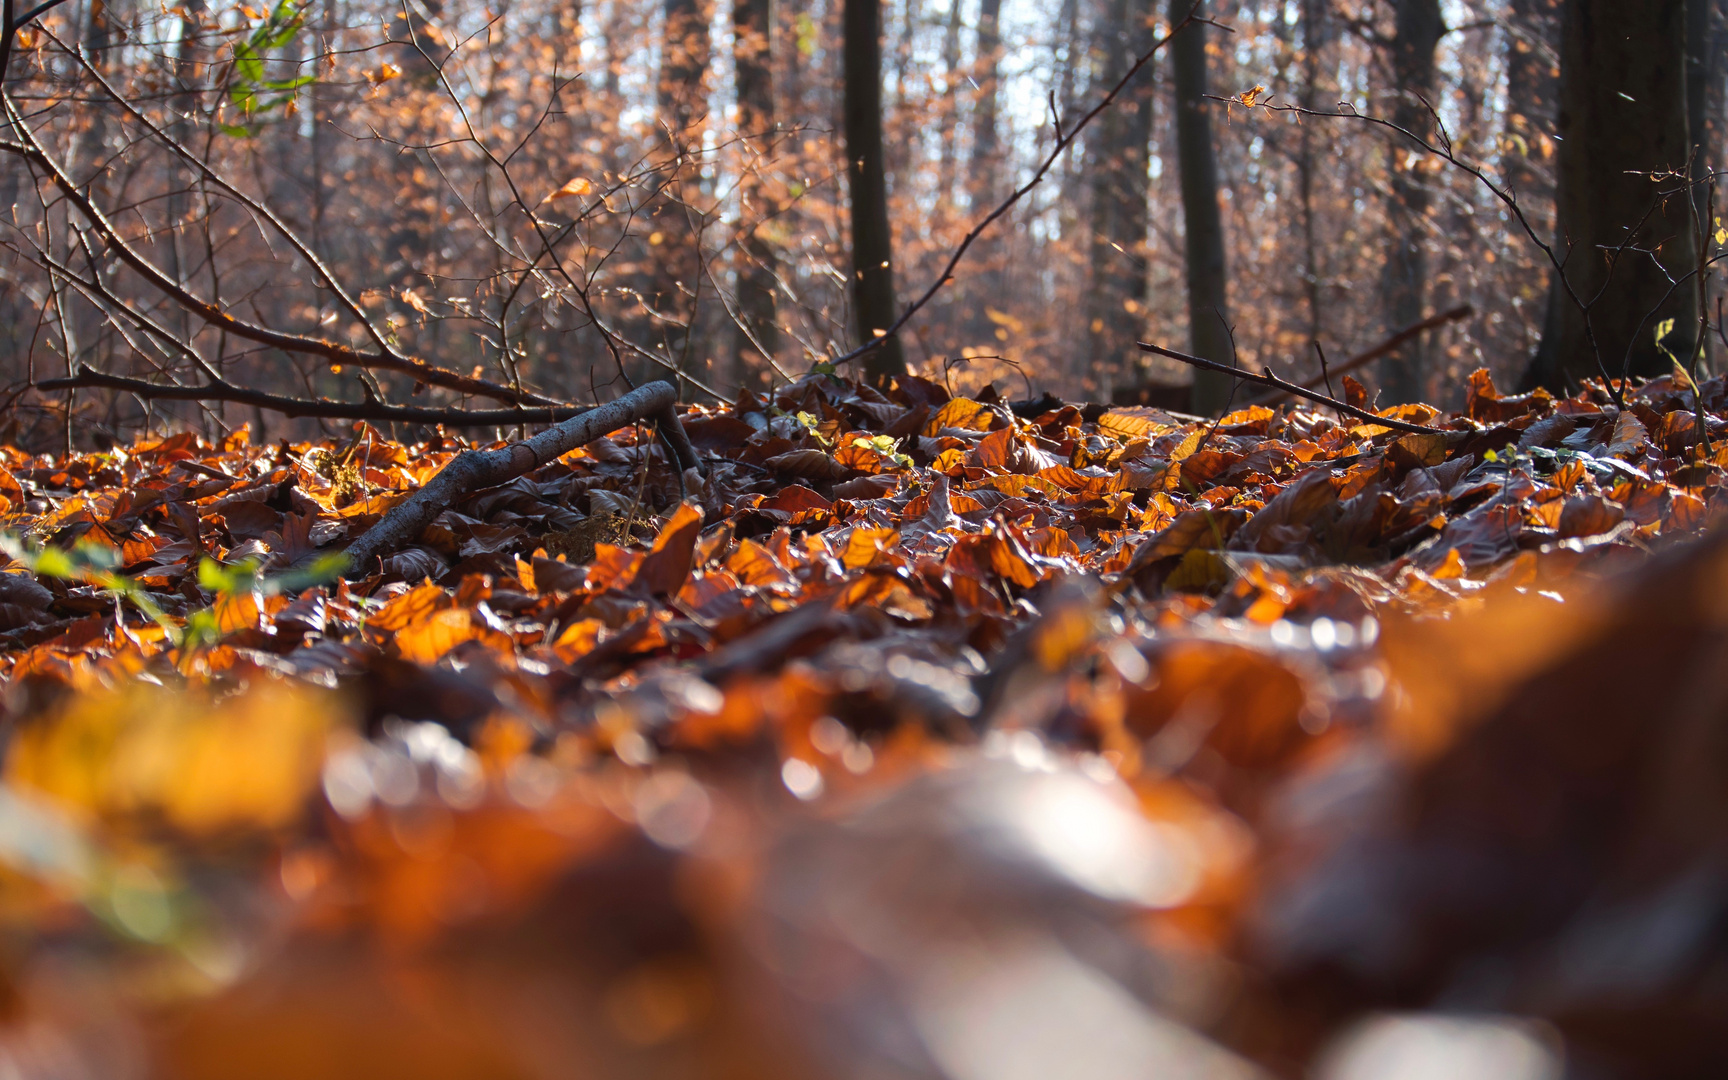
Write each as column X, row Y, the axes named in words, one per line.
column 411, row 606
column 667, row 564
column 578, row 640
column 865, row 545
column 962, row 413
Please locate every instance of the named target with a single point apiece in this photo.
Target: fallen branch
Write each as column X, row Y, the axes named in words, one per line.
column 475, row 469
column 319, row 408
column 1269, row 379
column 1362, row 359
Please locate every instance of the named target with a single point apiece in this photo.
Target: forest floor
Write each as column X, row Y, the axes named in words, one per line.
column 925, row 738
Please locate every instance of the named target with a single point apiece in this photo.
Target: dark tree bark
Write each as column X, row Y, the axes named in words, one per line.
column 1197, row 163
column 1316, row 35
column 1622, row 118
column 1532, row 99
column 872, row 238
column 985, row 182
column 986, row 157
column 757, row 335
column 1121, row 191
column 945, row 175
column 1068, row 84
column 1701, row 72
column 1417, row 34
column 685, row 48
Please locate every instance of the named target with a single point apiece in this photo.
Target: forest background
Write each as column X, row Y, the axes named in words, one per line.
column 686, row 161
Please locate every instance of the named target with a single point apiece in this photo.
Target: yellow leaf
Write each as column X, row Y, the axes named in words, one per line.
column 961, row 413
column 573, row 188
column 1249, row 98
column 412, row 299
column 1134, row 422
column 248, row 760
column 1014, row 484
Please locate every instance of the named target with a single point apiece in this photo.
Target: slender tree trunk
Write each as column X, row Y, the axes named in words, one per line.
column 945, row 168
column 1622, row 118
column 1121, row 191
column 97, row 39
column 872, row 243
column 189, row 61
column 986, row 165
column 91, row 154
column 1418, row 29
column 984, row 180
column 1197, row 163
column 1068, row 82
column 1716, row 115
column 1532, row 101
column 1701, row 71
column 1532, row 91
column 675, row 247
column 757, row 334
column 1315, row 36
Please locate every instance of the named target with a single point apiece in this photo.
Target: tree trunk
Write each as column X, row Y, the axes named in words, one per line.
column 1622, row 117
column 674, row 246
column 1197, row 163
column 1418, row 29
column 1315, row 35
column 951, row 95
column 986, row 164
column 872, row 239
column 984, row 181
column 757, row 335
column 1069, row 81
column 1532, row 98
column 1701, row 71
column 1121, row 190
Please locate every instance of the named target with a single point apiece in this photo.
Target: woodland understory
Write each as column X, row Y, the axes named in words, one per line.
column 646, row 541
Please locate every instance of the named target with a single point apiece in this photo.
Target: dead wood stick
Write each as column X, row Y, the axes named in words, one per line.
column 472, row 470
column 1362, row 359
column 1269, row 379
column 321, row 408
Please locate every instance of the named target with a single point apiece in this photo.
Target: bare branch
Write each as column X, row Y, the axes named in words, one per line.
column 1269, row 379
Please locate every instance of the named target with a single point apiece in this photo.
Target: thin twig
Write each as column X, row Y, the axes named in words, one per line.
column 1368, row 356
column 1269, row 379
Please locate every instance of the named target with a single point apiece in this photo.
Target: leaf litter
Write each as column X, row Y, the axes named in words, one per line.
column 925, row 738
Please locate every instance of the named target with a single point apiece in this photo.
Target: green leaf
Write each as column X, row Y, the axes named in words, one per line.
column 99, row 556
column 201, row 629
column 323, row 570
column 215, row 577
column 248, row 63
column 54, row 563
